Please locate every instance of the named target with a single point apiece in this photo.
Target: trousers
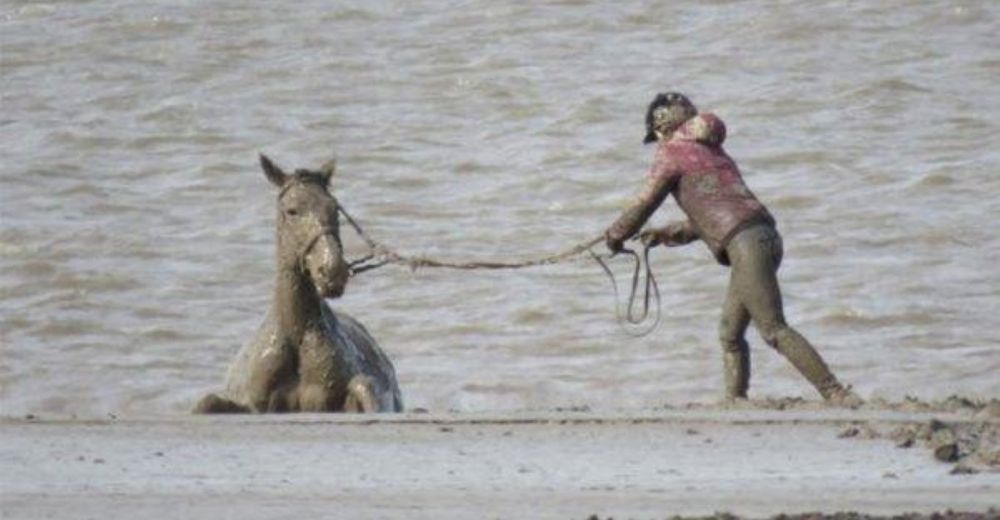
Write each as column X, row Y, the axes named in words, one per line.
column 755, row 255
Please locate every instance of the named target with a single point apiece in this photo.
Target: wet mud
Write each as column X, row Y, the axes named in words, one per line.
column 991, row 514
column 567, row 463
column 972, row 447
column 971, row 443
column 974, row 408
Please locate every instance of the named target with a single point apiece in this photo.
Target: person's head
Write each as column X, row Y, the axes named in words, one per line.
column 667, row 112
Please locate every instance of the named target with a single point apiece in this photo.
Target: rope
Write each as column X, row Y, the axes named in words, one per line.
column 627, row 318
column 381, row 255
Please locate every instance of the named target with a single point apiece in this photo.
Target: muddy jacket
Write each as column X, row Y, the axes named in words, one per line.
column 705, row 182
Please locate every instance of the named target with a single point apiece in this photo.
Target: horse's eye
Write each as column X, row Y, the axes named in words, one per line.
column 291, row 212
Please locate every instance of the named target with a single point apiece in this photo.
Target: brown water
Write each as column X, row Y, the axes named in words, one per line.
column 136, row 233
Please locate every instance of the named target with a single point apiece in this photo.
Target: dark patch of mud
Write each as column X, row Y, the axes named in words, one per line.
column 991, row 514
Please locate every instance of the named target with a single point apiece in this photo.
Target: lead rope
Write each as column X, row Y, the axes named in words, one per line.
column 380, row 255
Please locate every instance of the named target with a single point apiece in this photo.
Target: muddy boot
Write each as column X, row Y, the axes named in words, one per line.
column 737, row 371
column 839, row 395
column 844, row 396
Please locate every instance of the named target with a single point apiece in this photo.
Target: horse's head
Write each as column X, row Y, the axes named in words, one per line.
column 308, row 230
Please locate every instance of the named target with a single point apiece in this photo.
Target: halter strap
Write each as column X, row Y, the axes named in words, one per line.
column 323, row 231
column 284, row 188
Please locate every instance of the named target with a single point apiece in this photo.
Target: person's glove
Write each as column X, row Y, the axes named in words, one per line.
column 672, row 235
column 615, row 244
column 651, row 237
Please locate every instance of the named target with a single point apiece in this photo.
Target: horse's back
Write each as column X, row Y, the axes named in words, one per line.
column 368, row 358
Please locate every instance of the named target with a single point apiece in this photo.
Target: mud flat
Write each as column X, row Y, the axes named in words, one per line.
column 757, row 461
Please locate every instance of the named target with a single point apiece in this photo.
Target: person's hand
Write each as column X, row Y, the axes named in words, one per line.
column 650, row 237
column 676, row 234
column 615, row 244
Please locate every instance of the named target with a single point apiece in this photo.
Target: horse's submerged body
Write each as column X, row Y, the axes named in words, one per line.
column 337, row 366
column 306, row 356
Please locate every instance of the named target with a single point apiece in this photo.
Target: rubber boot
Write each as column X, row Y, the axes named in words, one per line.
column 737, row 371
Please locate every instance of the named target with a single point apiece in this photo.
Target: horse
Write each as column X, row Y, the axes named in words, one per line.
column 307, row 357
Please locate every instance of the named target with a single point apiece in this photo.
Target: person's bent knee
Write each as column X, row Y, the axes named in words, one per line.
column 771, row 334
column 781, row 338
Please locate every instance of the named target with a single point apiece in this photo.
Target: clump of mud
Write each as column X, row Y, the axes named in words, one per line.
column 969, row 439
column 978, row 408
column 991, row 514
column 972, row 446
column 971, row 443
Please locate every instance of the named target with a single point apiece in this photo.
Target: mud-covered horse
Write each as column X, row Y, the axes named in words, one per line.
column 307, row 357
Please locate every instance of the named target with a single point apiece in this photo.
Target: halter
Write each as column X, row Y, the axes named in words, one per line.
column 323, row 231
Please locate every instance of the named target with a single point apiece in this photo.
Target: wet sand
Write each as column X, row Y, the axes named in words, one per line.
column 754, row 462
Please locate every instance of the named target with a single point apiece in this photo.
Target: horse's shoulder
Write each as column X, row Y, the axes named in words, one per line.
column 266, row 336
column 346, row 324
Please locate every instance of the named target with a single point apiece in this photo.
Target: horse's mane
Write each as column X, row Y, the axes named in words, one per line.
column 310, row 177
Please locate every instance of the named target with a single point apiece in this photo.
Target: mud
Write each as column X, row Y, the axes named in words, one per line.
column 973, row 446
column 753, row 461
column 974, row 408
column 971, row 443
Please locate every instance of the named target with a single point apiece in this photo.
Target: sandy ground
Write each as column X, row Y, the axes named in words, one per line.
column 564, row 464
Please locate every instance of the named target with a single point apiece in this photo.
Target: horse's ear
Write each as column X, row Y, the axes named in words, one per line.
column 273, row 173
column 328, row 169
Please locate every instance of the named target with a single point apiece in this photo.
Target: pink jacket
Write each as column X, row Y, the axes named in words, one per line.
column 705, row 182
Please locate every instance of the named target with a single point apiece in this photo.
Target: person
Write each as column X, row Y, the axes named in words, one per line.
column 691, row 164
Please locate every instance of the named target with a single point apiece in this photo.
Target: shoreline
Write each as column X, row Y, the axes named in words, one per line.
column 692, row 461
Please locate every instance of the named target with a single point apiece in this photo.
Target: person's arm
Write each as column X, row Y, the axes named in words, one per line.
column 673, row 234
column 631, row 220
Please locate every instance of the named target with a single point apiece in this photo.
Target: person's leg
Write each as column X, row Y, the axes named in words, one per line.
column 735, row 350
column 755, row 280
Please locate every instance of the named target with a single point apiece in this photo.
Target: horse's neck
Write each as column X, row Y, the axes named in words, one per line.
column 296, row 304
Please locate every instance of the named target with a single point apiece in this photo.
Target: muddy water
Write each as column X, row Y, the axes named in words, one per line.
column 136, row 233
